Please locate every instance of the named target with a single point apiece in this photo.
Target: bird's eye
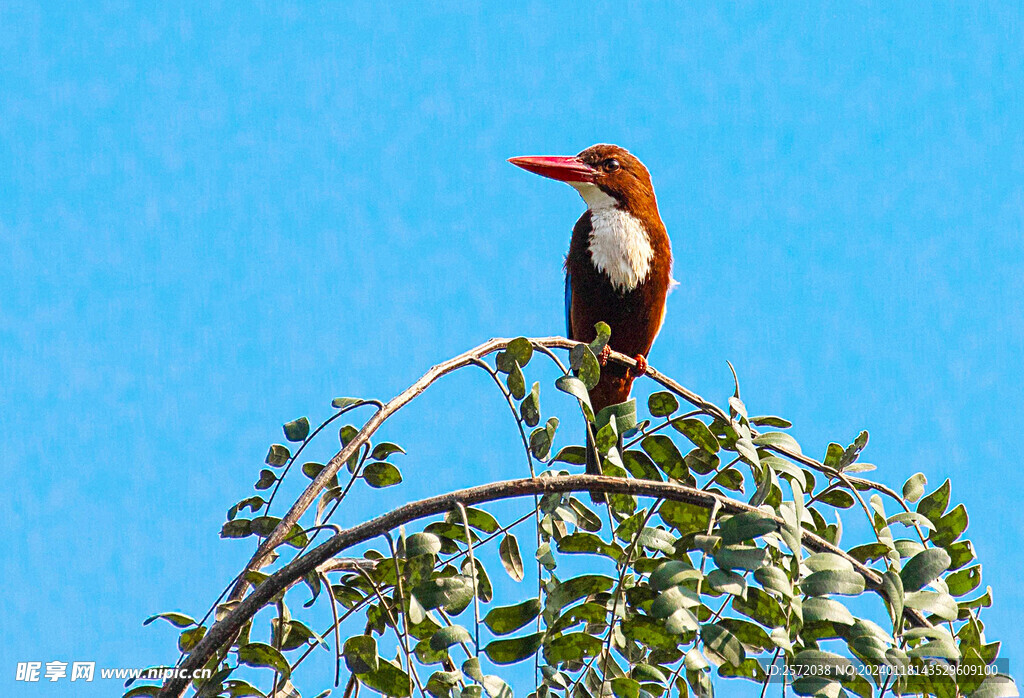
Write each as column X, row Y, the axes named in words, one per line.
column 610, row 165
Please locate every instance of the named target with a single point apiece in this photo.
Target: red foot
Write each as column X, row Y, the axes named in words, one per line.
column 602, row 356
column 641, row 366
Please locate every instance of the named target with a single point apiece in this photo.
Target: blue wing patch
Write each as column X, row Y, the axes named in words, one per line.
column 568, row 306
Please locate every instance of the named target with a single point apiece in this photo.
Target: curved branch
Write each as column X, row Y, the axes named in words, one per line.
column 224, row 630
column 306, row 499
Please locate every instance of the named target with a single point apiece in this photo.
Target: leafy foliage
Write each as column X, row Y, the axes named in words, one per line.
column 742, row 574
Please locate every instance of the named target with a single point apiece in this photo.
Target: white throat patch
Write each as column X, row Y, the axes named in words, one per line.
column 619, row 245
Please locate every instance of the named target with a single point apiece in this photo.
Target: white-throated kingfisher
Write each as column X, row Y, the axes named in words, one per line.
column 619, row 266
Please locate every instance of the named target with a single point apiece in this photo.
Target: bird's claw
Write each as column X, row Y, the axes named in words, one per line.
column 602, row 356
column 641, row 366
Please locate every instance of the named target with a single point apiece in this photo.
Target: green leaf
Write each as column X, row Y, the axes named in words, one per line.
column 666, row 455
column 389, row 679
column 960, row 554
column 938, row 603
column 278, row 455
column 586, row 519
column 260, row 654
column 774, row 579
column 746, row 526
column 510, row 557
column 672, row 573
column 541, row 438
column 828, row 561
column 514, row 649
column 521, row 350
column 913, row 488
column 685, row 517
column 450, row 593
column 587, row 368
column 740, row 557
column 237, row 528
column 178, row 620
column 573, row 647
column 673, row 600
column 923, row 568
column 983, row 601
column 761, row 607
column 471, row 668
column 583, row 542
column 503, row 620
column 264, row 525
column 911, row 518
column 623, row 687
column 934, row 505
column 311, row 469
column 727, row 582
column 297, row 430
column 964, row 581
column 750, row 634
column 448, row 636
column 603, row 335
column 650, row 632
column 777, row 439
column 385, row 449
column 516, row 382
column 950, row 527
column 818, row 609
column 640, row 466
column 840, row 499
column 440, row 683
column 723, row 643
column 700, row 461
column 662, row 404
column 340, row 403
column 657, row 539
column 381, row 474
column 892, row 590
column 625, row 416
column 574, row 386
column 771, row 421
column 697, row 432
column 422, row 544
column 730, row 479
column 360, row 652
column 832, row 582
column 299, row 634
column 529, row 408
column 478, row 519
column 562, row 594
column 267, row 479
column 574, row 455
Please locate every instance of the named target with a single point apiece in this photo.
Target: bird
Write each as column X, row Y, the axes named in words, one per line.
column 619, row 266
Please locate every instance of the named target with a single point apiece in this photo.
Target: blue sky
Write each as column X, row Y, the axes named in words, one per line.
column 214, row 219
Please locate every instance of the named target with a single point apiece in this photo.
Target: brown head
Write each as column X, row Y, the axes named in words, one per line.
column 605, row 175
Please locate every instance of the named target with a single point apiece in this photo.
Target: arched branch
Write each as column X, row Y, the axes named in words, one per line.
column 313, row 490
column 222, row 632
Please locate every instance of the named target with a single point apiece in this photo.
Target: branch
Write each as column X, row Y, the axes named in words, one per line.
column 223, row 631
column 306, row 499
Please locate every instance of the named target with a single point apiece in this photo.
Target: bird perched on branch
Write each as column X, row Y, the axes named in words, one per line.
column 619, row 266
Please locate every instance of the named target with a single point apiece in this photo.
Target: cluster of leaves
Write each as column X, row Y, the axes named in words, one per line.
column 644, row 597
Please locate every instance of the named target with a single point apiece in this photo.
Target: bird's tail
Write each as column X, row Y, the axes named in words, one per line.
column 611, row 389
column 593, row 465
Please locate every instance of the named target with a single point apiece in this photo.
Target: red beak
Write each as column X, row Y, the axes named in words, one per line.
column 560, row 167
